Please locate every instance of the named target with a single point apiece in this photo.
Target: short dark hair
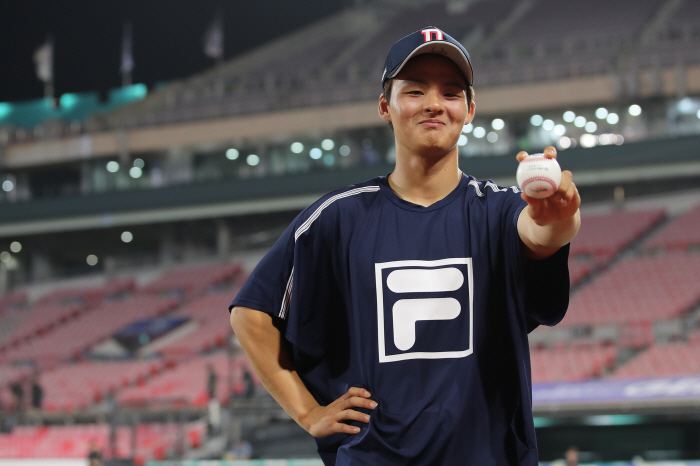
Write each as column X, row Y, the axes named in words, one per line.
column 390, row 81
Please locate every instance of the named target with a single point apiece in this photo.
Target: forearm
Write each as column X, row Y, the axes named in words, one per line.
column 271, row 361
column 544, row 240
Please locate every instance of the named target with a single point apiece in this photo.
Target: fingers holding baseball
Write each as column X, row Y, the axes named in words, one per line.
column 549, row 152
column 559, row 206
column 567, row 193
column 328, row 420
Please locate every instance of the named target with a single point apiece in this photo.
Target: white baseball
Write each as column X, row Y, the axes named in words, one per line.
column 538, row 176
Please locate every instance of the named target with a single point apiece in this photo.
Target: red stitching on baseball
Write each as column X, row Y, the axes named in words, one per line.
column 539, row 158
column 538, row 178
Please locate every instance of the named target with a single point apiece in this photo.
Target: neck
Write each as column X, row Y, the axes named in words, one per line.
column 425, row 180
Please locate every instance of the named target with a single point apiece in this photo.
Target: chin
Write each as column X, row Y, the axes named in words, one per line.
column 437, row 151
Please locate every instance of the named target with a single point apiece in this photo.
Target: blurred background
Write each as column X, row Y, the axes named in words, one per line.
column 151, row 152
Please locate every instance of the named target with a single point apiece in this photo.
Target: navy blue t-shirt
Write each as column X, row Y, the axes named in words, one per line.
column 428, row 308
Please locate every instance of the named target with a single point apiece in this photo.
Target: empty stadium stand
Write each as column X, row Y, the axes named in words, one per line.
column 679, row 358
column 604, row 235
column 153, row 441
column 78, row 386
column 186, row 383
column 548, row 21
column 571, row 363
column 12, row 300
column 191, row 281
column 638, row 289
column 209, row 312
column 682, row 233
column 76, row 336
column 87, row 296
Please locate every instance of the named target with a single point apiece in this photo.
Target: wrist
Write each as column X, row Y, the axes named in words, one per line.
column 304, row 419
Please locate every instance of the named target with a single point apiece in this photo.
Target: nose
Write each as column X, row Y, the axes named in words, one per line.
column 433, row 104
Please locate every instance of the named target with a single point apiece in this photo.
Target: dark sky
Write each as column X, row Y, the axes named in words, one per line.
column 167, row 37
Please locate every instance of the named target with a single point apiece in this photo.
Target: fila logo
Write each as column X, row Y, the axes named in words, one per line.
column 424, row 309
column 428, row 34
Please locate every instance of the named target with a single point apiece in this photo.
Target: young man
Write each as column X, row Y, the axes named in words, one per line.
column 395, row 312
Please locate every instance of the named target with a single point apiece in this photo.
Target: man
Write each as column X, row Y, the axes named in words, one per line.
column 212, row 379
column 37, row 394
column 395, row 312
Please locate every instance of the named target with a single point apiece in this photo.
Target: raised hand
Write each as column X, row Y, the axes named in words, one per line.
column 561, row 205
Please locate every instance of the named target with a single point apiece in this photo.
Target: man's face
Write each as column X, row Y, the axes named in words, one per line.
column 428, row 105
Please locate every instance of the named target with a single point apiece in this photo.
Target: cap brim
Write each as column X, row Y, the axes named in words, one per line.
column 444, row 48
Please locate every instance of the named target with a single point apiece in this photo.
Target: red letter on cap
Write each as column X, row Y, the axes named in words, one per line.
column 428, row 34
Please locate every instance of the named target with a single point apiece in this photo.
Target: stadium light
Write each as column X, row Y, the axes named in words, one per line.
column 492, row 137
column 543, row 421
column 569, row 116
column 589, row 140
column 15, row 246
column 315, row 153
column 127, row 237
column 68, row 101
column 297, row 147
column 479, row 132
column 498, row 124
column 462, row 140
column 135, row 172
column 329, row 160
column 591, row 126
column 139, row 163
column 612, row 118
column 635, row 110
column 559, row 130
column 580, row 122
column 686, row 106
column 344, row 150
column 113, row 166
column 92, row 260
column 5, row 257
column 536, row 120
column 252, row 160
column 232, row 154
column 327, row 144
column 468, row 128
column 5, row 109
column 564, row 143
column 548, row 125
column 601, row 113
column 8, row 186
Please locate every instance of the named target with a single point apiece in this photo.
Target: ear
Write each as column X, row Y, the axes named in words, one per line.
column 470, row 114
column 384, row 108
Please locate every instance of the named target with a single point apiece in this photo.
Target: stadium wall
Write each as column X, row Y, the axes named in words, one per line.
column 490, row 101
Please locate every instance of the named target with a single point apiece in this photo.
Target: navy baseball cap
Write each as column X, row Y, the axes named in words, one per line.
column 428, row 40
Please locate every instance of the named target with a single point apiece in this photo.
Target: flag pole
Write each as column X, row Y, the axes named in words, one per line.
column 127, row 64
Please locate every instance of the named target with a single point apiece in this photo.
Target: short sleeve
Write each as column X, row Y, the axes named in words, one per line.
column 547, row 287
column 295, row 282
column 544, row 283
column 265, row 288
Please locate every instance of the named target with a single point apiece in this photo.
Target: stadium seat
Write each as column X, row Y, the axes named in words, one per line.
column 634, row 291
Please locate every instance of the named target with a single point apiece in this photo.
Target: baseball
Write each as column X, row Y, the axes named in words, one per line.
column 538, row 176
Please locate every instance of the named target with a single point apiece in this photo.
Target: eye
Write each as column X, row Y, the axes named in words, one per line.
column 415, row 92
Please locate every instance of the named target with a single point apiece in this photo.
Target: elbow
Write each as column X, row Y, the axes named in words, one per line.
column 237, row 320
column 250, row 325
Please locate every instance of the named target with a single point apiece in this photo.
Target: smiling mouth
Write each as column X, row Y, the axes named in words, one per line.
column 432, row 123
